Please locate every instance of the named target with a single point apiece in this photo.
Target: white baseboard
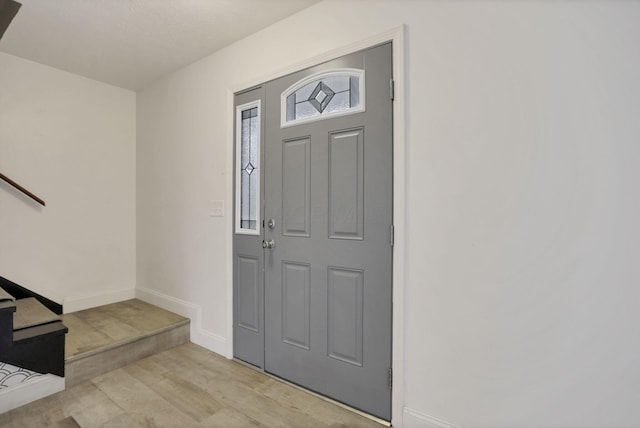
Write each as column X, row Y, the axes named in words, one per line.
column 79, row 303
column 199, row 335
column 24, row 393
column 414, row 419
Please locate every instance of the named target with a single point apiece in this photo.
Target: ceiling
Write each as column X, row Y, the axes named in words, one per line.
column 131, row 43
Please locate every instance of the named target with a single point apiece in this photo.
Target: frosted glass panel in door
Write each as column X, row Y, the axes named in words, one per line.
column 247, row 168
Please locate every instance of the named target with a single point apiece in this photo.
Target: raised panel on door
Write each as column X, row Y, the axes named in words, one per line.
column 346, row 184
column 345, row 314
column 248, row 287
column 296, row 191
column 296, row 304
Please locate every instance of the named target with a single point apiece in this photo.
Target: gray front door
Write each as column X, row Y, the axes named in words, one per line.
column 328, row 200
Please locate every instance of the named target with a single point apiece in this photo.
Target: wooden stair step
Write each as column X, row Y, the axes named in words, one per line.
column 30, row 313
column 5, row 297
column 31, row 336
column 109, row 337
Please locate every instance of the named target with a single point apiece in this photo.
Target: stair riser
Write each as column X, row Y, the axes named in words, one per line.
column 6, row 326
column 79, row 370
column 43, row 354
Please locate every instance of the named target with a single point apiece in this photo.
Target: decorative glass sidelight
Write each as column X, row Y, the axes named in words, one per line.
column 248, row 168
column 322, row 95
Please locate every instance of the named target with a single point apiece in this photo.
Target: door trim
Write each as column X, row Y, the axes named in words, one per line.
column 397, row 37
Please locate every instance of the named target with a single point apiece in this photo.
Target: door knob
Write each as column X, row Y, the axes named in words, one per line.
column 269, row 243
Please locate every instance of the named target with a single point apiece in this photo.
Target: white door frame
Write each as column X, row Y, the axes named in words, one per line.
column 397, row 37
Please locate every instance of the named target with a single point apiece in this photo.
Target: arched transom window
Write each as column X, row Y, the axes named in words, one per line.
column 326, row 94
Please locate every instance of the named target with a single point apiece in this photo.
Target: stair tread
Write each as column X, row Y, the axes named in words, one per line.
column 30, row 312
column 5, row 297
column 38, row 332
column 97, row 329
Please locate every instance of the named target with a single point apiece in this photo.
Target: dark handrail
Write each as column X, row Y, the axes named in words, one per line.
column 22, row 189
column 8, row 10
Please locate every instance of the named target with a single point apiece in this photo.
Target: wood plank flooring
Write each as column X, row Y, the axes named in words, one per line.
column 186, row 386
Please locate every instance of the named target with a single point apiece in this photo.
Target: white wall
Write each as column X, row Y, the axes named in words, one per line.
column 71, row 141
column 522, row 237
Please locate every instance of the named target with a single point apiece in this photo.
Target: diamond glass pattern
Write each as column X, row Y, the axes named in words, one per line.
column 249, row 168
column 321, row 96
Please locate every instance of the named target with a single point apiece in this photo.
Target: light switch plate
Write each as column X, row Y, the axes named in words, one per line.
column 216, row 209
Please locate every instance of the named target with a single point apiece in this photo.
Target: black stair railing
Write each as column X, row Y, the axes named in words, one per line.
column 21, row 189
column 8, row 10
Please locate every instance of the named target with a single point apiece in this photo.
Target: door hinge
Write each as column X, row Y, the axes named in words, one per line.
column 392, row 235
column 392, row 89
column 390, row 377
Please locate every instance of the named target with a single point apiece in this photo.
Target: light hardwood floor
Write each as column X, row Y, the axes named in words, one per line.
column 187, row 386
